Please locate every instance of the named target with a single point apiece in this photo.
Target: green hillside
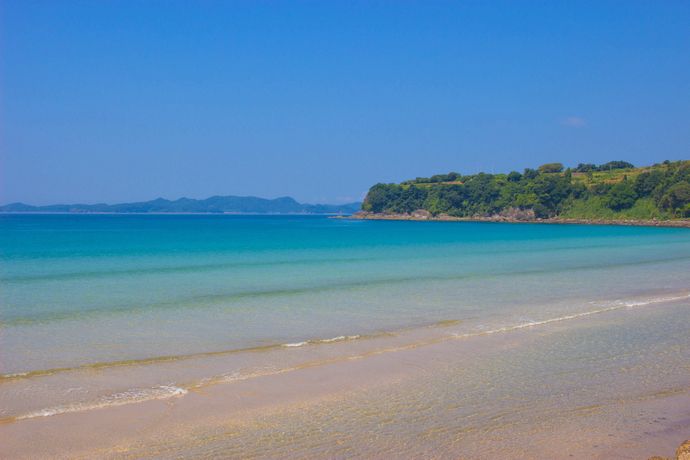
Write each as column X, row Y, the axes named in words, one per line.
column 614, row 190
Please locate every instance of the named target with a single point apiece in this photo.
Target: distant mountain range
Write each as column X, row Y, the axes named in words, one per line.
column 215, row 204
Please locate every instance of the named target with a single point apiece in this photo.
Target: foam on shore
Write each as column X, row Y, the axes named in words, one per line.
column 340, row 338
column 178, row 390
column 117, row 399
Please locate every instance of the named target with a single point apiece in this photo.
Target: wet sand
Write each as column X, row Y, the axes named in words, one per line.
column 515, row 394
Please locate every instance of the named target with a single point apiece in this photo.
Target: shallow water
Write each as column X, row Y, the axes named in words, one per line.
column 94, row 289
column 103, row 311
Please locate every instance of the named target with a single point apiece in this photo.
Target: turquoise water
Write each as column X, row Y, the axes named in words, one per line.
column 87, row 289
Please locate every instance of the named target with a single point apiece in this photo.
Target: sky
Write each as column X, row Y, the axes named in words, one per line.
column 115, row 101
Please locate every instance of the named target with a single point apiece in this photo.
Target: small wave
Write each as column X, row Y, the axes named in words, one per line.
column 117, row 399
column 170, row 391
column 238, row 376
column 445, row 323
column 162, row 359
column 14, row 375
column 614, row 305
column 340, row 338
column 618, row 306
column 655, row 300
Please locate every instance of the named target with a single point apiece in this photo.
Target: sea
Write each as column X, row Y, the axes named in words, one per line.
column 100, row 311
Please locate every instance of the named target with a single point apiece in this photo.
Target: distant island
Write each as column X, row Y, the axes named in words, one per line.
column 616, row 191
column 214, row 204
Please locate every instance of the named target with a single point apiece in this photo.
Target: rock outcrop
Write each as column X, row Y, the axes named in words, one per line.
column 683, row 453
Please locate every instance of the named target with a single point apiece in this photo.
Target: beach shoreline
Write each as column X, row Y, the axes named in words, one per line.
column 269, row 413
column 427, row 217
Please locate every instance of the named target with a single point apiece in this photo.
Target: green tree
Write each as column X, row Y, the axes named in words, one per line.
column 621, row 196
column 530, row 174
column 411, row 199
column 551, row 168
column 615, row 165
column 551, row 191
column 676, row 199
column 646, row 182
column 585, row 167
column 381, row 197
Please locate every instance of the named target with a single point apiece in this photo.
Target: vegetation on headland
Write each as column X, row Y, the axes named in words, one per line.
column 612, row 191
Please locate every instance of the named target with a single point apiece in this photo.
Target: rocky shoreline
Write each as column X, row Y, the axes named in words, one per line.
column 423, row 215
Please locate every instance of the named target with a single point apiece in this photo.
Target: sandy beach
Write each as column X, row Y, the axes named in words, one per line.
column 358, row 403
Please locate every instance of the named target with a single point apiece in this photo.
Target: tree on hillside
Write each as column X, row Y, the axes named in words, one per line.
column 585, row 167
column 621, row 196
column 615, row 165
column 551, row 168
column 551, row 191
column 411, row 199
column 647, row 181
column 677, row 199
column 530, row 174
column 380, row 196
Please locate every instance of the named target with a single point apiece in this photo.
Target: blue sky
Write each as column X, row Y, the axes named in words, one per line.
column 114, row 101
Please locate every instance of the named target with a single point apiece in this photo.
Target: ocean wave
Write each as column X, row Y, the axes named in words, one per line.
column 14, row 375
column 340, row 338
column 613, row 305
column 174, row 390
column 618, row 305
column 169, row 358
column 118, row 399
column 653, row 301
